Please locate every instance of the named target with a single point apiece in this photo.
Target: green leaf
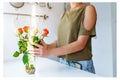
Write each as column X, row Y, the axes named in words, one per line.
column 25, row 58
column 35, row 39
column 23, row 49
column 16, row 54
column 20, row 43
column 25, row 43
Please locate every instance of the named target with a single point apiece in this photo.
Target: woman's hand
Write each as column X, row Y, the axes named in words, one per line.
column 41, row 50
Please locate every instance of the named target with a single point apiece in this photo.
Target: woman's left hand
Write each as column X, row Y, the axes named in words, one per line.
column 41, row 50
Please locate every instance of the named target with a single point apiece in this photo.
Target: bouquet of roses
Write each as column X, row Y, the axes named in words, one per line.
column 26, row 37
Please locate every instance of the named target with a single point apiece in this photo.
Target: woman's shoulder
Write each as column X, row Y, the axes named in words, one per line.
column 90, row 7
column 90, row 16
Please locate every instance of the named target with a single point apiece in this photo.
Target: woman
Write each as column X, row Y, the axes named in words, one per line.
column 75, row 30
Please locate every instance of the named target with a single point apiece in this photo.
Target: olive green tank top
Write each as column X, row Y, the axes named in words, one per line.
column 69, row 28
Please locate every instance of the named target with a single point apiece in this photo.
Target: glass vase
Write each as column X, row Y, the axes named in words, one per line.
column 30, row 65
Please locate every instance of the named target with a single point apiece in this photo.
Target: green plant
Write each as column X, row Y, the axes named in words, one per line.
column 26, row 38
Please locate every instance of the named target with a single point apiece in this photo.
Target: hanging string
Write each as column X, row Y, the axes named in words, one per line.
column 16, row 22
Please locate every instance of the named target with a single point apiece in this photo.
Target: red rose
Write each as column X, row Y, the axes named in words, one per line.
column 20, row 31
column 45, row 32
column 26, row 29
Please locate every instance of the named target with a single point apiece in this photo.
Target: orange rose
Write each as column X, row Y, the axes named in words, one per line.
column 45, row 32
column 19, row 31
column 26, row 29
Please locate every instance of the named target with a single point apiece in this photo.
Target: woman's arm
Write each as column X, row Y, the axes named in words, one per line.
column 44, row 51
column 52, row 45
column 70, row 48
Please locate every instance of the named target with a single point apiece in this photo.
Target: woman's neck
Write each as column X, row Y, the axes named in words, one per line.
column 75, row 6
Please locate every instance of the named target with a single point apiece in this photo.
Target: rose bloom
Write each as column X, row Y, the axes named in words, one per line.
column 19, row 31
column 36, row 30
column 45, row 32
column 26, row 29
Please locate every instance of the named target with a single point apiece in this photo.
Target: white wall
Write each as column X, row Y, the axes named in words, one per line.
column 12, row 21
column 104, row 45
